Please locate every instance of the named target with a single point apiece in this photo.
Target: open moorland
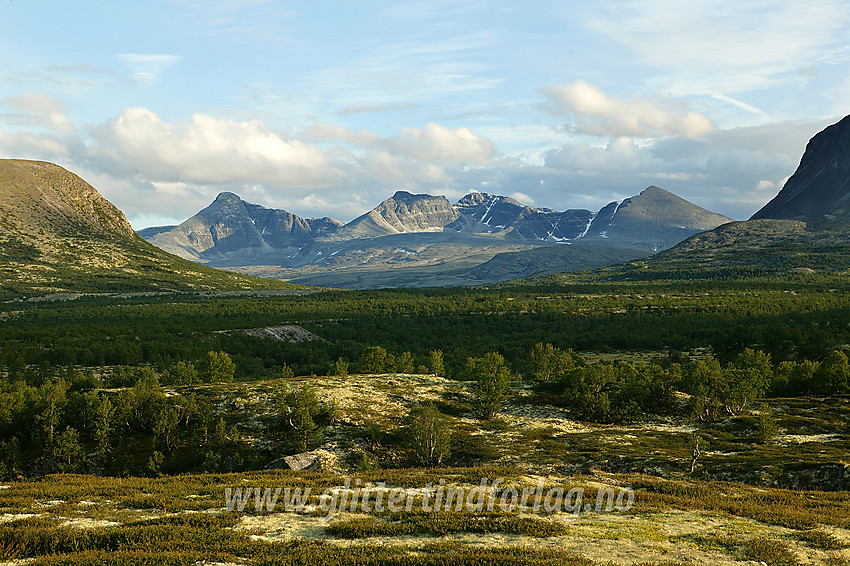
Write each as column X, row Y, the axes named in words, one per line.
column 720, row 403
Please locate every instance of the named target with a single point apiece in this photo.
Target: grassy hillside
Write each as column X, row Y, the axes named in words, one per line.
column 58, row 234
column 767, row 250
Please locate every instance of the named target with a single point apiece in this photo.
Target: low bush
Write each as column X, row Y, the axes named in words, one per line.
column 771, row 552
column 445, row 523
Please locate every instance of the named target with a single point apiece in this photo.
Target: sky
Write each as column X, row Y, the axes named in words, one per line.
column 326, row 108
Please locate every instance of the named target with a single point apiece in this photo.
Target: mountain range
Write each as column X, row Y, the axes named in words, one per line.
column 419, row 239
column 58, row 234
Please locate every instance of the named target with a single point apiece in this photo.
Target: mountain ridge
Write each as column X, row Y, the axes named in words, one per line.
column 215, row 232
column 420, row 236
column 403, row 212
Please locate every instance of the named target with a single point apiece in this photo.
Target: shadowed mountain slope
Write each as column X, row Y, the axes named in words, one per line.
column 818, row 192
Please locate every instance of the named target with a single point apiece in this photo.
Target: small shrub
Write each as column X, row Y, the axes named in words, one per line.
column 770, row 551
column 428, row 434
column 821, row 540
column 492, row 387
column 286, row 372
column 768, row 429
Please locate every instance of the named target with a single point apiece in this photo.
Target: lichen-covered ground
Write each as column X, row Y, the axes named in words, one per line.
column 732, row 510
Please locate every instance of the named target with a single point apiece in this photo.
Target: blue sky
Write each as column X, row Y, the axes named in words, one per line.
column 327, row 108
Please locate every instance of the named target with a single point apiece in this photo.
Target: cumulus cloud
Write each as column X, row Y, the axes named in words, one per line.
column 597, row 113
column 147, row 68
column 207, row 150
column 441, row 144
column 433, row 144
column 733, row 171
column 155, row 168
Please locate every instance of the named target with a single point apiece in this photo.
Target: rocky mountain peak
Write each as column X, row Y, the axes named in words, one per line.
column 655, row 219
column 405, row 196
column 230, row 226
column 228, row 198
column 402, row 213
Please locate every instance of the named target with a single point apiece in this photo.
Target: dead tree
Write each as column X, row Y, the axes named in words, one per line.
column 696, row 453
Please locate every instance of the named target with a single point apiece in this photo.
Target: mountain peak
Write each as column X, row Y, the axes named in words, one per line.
column 402, row 213
column 655, row 219
column 227, row 197
column 230, row 225
column 405, row 195
column 655, row 190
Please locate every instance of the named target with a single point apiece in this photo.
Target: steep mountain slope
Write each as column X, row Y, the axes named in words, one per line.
column 653, row 220
column 57, row 233
column 231, row 226
column 819, row 190
column 400, row 214
column 39, row 197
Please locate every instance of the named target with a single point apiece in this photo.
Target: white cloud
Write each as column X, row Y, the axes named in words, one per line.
column 322, row 131
column 207, row 150
column 597, row 113
column 522, row 197
column 37, row 109
column 621, row 155
column 28, row 145
column 436, row 143
column 742, row 105
column 733, row 171
column 147, row 68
